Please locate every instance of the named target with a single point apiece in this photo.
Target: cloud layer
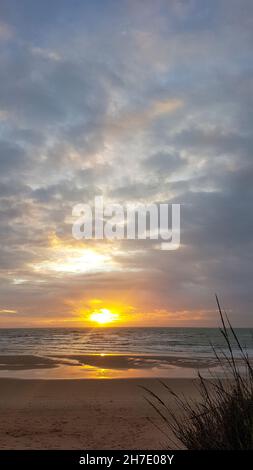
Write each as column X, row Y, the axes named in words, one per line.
column 139, row 102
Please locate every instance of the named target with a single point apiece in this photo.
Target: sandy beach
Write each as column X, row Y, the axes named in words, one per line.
column 81, row 414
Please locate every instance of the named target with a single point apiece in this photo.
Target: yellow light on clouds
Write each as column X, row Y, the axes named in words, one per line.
column 63, row 258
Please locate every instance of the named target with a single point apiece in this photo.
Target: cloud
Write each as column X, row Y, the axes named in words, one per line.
column 164, row 162
column 149, row 104
column 6, row 32
column 139, row 120
column 12, row 157
column 6, row 311
column 45, row 54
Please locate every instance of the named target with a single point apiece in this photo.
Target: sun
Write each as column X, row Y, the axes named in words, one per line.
column 103, row 316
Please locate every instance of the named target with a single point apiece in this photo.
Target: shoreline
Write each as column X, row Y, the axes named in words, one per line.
column 102, row 366
column 111, row 360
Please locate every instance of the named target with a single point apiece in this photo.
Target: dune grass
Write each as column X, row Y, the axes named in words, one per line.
column 223, row 416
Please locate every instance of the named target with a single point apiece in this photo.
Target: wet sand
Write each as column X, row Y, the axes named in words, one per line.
column 102, row 361
column 82, row 414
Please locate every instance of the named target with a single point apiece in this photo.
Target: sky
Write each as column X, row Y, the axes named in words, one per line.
column 139, row 101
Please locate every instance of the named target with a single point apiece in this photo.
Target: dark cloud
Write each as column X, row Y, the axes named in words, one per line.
column 164, row 163
column 12, row 157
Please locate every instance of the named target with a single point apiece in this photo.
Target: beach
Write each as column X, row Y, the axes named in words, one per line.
column 82, row 414
column 84, row 389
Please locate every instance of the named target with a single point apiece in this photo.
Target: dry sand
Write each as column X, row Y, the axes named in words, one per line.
column 81, row 414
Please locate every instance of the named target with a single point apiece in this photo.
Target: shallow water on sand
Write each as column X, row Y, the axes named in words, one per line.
column 105, row 366
column 112, row 352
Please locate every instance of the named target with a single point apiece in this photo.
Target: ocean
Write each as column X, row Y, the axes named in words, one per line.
column 189, row 342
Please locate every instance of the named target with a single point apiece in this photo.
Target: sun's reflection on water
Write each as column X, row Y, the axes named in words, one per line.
column 101, row 366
